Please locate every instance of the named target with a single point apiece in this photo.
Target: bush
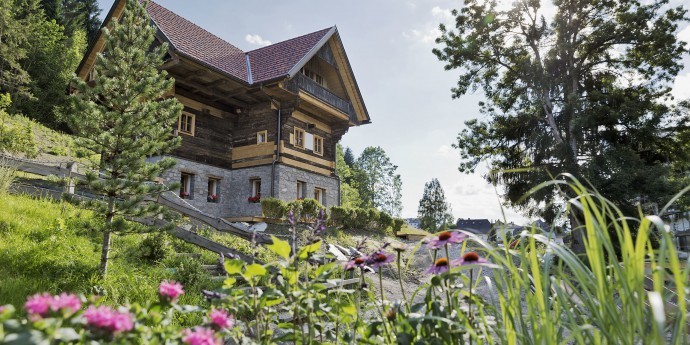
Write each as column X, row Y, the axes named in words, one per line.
column 398, row 224
column 310, row 209
column 296, row 207
column 154, row 248
column 189, row 271
column 273, row 208
column 339, row 216
column 385, row 220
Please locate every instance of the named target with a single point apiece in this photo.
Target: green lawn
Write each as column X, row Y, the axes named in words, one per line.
column 43, row 248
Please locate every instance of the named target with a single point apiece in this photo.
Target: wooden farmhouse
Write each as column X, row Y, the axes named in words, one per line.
column 255, row 124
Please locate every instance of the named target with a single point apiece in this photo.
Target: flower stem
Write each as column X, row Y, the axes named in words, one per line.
column 383, row 304
column 402, row 288
column 470, row 306
column 450, row 305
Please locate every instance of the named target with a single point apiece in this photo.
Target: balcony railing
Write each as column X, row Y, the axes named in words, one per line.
column 302, row 82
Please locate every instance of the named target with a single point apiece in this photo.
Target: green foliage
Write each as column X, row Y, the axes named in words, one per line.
column 16, row 133
column 398, row 224
column 154, row 248
column 296, row 207
column 188, row 271
column 349, row 195
column 310, row 209
column 369, row 219
column 385, row 220
column 377, row 182
column 124, row 117
column 560, row 97
column 273, row 208
column 13, row 49
column 434, row 210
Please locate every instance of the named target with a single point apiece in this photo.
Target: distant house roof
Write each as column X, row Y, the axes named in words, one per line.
column 477, row 226
column 256, row 66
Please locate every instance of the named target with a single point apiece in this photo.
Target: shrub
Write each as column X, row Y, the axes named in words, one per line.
column 7, row 175
column 339, row 216
column 398, row 224
column 273, row 208
column 189, row 271
column 385, row 220
column 154, row 248
column 310, row 209
column 296, row 207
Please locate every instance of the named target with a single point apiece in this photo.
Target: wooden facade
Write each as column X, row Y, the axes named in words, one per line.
column 243, row 110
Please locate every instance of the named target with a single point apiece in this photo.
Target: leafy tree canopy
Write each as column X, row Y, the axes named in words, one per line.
column 434, row 210
column 581, row 87
column 378, row 183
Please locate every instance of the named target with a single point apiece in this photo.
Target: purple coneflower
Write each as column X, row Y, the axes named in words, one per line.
column 200, row 336
column 446, row 237
column 440, row 266
column 357, row 262
column 379, row 258
column 470, row 258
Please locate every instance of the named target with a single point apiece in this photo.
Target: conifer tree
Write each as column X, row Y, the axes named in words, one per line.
column 123, row 117
column 434, row 211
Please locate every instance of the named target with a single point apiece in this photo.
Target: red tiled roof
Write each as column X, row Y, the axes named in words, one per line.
column 276, row 60
column 266, row 63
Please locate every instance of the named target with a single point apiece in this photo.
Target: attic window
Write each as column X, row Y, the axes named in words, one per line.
column 314, row 76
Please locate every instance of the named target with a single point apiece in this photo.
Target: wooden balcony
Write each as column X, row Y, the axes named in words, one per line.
column 301, row 82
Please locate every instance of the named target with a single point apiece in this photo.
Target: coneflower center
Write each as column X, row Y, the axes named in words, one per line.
column 441, row 262
column 470, row 257
column 444, row 236
column 380, row 257
column 359, row 261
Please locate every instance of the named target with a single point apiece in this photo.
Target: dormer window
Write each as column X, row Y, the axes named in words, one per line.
column 314, row 76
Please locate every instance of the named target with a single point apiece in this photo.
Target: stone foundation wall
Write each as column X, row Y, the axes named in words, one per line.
column 241, row 190
column 201, row 174
column 288, row 176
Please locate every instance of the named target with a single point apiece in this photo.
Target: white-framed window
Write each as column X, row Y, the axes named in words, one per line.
column 256, row 187
column 261, row 137
column 186, row 124
column 299, row 137
column 213, row 192
column 319, row 195
column 314, row 76
column 301, row 189
column 318, row 145
column 186, row 186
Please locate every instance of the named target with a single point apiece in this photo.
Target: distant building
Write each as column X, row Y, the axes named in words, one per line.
column 413, row 222
column 479, row 227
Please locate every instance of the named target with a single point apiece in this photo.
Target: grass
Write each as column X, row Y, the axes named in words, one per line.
column 407, row 230
column 43, row 248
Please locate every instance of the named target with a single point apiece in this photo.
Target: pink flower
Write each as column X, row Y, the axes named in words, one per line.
column 65, row 302
column 39, row 304
column 170, row 290
column 108, row 319
column 357, row 262
column 221, row 319
column 446, row 237
column 470, row 258
column 379, row 258
column 440, row 266
column 200, row 336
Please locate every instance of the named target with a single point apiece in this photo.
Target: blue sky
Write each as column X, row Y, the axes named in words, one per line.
column 405, row 88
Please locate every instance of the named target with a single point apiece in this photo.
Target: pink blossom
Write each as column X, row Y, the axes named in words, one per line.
column 440, row 266
column 379, row 258
column 446, row 237
column 108, row 319
column 200, row 336
column 39, row 304
column 470, row 258
column 357, row 262
column 66, row 301
column 221, row 319
column 170, row 290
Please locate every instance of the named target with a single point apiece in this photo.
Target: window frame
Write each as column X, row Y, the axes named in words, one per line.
column 255, row 184
column 193, row 123
column 303, row 135
column 318, row 139
column 186, row 185
column 301, row 187
column 216, row 186
column 265, row 136
column 319, row 195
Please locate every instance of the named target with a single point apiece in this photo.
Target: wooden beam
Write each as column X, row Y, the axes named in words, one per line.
column 194, row 104
column 306, row 156
column 250, row 151
column 212, row 92
column 306, row 118
column 323, row 106
column 253, row 163
column 304, row 166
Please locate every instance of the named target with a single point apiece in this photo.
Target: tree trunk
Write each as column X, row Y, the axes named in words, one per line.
column 106, row 237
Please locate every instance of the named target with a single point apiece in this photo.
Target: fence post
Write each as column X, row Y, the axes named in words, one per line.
column 72, row 166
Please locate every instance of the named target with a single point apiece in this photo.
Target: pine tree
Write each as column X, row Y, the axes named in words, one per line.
column 13, row 43
column 123, row 117
column 349, row 157
column 434, row 211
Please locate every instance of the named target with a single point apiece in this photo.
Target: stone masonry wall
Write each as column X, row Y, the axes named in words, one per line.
column 201, row 174
column 287, row 184
column 241, row 189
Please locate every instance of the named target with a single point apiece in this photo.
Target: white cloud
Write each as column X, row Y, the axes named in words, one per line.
column 444, row 15
column 681, row 88
column 256, row 40
column 443, row 151
column 426, row 36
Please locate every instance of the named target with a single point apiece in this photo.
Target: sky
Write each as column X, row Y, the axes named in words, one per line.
column 404, row 86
